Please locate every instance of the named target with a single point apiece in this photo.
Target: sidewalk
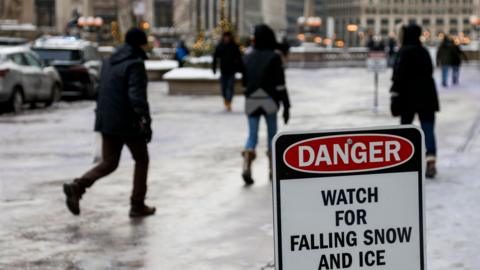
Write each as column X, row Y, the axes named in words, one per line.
column 205, row 218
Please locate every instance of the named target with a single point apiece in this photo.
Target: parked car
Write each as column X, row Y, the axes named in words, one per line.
column 12, row 41
column 24, row 79
column 77, row 61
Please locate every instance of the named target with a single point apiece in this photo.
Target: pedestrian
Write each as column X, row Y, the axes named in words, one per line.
column 392, row 44
column 123, row 118
column 445, row 54
column 264, row 80
column 457, row 57
column 414, row 91
column 228, row 52
column 181, row 53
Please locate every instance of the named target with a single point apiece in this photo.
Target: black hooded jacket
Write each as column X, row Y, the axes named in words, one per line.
column 413, row 75
column 230, row 58
column 264, row 69
column 122, row 99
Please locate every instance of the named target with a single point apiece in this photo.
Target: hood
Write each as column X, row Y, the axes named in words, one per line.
column 411, row 35
column 264, row 38
column 127, row 52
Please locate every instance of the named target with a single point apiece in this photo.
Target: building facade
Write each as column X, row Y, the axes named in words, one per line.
column 299, row 8
column 384, row 17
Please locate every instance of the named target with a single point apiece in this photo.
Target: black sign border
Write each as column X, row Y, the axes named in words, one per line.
column 283, row 173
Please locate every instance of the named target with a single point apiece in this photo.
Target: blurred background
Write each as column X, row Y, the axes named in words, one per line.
column 324, row 22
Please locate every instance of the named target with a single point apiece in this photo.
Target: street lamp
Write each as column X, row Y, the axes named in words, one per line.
column 90, row 22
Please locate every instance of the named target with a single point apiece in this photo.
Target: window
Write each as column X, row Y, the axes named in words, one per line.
column 49, row 55
column 164, row 13
column 45, row 12
column 426, row 21
column 18, row 59
column 32, row 60
column 439, row 21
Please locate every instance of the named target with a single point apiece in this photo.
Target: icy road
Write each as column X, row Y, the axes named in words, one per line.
column 205, row 218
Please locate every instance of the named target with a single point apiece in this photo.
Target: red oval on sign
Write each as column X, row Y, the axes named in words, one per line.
column 348, row 153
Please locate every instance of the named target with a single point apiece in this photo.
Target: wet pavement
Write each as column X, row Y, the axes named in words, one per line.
column 206, row 218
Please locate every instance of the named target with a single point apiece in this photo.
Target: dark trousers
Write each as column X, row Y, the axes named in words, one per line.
column 227, row 82
column 427, row 122
column 111, row 152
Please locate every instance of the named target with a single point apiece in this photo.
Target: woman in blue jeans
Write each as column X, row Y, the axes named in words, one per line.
column 264, row 80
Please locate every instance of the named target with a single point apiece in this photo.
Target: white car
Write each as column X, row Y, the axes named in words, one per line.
column 24, row 79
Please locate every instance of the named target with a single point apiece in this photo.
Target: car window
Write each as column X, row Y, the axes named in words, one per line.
column 18, row 59
column 49, row 55
column 32, row 60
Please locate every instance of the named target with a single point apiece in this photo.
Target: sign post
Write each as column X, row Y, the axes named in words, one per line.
column 376, row 63
column 349, row 199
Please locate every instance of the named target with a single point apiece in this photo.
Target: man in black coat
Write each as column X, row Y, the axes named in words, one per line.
column 414, row 90
column 123, row 118
column 230, row 62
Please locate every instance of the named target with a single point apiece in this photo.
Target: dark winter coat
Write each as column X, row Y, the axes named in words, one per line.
column 122, row 98
column 445, row 53
column 413, row 76
column 264, row 71
column 230, row 58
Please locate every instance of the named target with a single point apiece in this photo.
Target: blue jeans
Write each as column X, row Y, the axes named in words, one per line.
column 253, row 123
column 455, row 74
column 445, row 75
column 427, row 122
column 227, row 83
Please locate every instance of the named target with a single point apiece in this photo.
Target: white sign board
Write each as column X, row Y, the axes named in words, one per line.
column 350, row 199
column 377, row 61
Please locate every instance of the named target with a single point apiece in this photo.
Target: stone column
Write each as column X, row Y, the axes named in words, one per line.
column 27, row 8
column 150, row 14
column 185, row 17
column 63, row 12
column 87, row 8
column 309, row 8
column 124, row 15
column 274, row 14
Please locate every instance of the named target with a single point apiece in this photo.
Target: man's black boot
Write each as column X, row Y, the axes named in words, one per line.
column 73, row 192
column 139, row 209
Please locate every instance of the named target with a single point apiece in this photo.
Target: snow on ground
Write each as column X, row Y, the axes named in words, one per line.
column 160, row 64
column 206, row 219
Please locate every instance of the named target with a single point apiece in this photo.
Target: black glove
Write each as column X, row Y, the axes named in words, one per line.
column 146, row 129
column 286, row 114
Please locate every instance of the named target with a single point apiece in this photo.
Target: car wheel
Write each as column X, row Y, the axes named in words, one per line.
column 16, row 102
column 55, row 96
column 91, row 91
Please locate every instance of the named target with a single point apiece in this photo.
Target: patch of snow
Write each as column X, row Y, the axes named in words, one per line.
column 160, row 64
column 207, row 59
column 189, row 73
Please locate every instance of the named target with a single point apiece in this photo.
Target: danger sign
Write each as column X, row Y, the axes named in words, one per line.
column 377, row 61
column 349, row 199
